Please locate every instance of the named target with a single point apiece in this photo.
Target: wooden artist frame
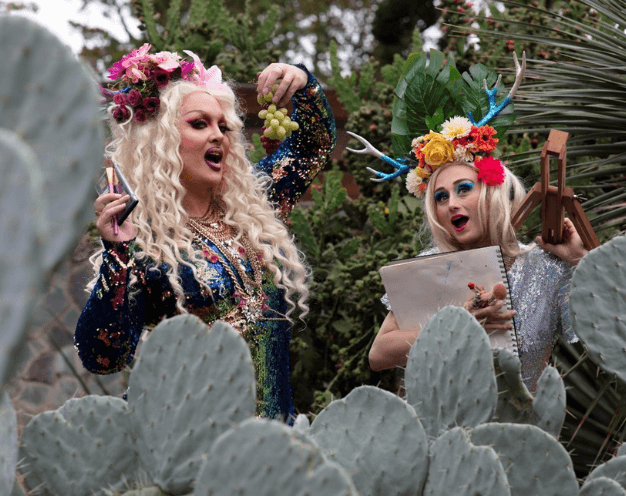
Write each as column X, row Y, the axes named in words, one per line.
column 555, row 200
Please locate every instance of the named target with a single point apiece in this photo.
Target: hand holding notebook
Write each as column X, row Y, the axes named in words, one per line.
column 418, row 287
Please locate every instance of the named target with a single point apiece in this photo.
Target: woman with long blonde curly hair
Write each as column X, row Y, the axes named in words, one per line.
column 207, row 236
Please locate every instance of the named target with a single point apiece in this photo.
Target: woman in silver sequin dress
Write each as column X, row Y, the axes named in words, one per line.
column 463, row 212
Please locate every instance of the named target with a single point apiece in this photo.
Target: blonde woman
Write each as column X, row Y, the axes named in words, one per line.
column 207, row 236
column 469, row 198
column 463, row 212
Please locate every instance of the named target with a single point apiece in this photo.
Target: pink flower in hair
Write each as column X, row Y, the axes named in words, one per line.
column 212, row 78
column 120, row 99
column 161, row 77
column 121, row 113
column 186, row 69
column 140, row 115
column 134, row 98
column 151, row 104
column 167, row 61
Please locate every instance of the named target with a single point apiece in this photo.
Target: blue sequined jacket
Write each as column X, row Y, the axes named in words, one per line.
column 111, row 324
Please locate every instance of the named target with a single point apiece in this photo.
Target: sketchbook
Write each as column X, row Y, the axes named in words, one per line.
column 418, row 287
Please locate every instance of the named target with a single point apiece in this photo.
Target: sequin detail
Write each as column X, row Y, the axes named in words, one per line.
column 112, row 322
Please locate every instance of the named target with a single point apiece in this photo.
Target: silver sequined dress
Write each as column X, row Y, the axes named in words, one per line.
column 540, row 294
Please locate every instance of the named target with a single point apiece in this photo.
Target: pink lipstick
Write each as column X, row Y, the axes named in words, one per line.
column 213, row 158
column 459, row 222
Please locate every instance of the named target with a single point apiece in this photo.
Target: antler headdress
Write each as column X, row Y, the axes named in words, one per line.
column 428, row 129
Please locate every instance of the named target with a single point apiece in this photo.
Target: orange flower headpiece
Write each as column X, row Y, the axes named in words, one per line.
column 458, row 141
column 431, row 92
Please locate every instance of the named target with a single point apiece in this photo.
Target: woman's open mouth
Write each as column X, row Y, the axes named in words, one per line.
column 213, row 158
column 459, row 222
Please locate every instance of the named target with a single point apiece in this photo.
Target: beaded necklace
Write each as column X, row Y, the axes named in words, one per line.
column 250, row 298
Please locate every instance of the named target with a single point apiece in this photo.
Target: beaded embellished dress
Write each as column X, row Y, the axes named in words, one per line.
column 240, row 289
column 539, row 284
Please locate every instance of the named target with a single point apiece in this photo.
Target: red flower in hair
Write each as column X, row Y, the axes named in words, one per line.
column 483, row 137
column 490, row 170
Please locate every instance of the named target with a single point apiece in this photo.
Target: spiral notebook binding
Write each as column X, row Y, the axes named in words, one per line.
column 509, row 301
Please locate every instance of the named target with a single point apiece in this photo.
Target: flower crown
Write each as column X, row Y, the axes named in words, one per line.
column 141, row 75
column 423, row 90
column 458, row 141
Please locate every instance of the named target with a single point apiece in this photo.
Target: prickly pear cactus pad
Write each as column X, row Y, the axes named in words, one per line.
column 84, row 446
column 602, row 486
column 598, row 305
column 49, row 99
column 549, row 402
column 449, row 376
column 8, row 441
column 265, row 458
column 535, row 462
column 621, row 451
column 613, row 469
column 20, row 264
column 459, row 468
column 377, row 438
column 515, row 403
column 189, row 385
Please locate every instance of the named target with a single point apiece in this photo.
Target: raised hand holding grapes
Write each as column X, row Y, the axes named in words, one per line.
column 277, row 125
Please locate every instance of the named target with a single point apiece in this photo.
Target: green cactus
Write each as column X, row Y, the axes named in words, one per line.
column 377, row 438
column 460, row 468
column 449, row 377
column 189, row 385
column 598, row 292
column 515, row 403
column 53, row 106
column 49, row 111
column 535, row 462
column 549, row 402
column 8, row 441
column 83, row 446
column 265, row 457
column 613, row 469
column 602, row 486
column 20, row 264
column 621, row 451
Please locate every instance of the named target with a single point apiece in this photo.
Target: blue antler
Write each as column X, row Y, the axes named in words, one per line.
column 494, row 109
column 370, row 150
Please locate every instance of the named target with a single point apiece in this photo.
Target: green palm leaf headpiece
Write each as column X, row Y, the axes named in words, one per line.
column 428, row 129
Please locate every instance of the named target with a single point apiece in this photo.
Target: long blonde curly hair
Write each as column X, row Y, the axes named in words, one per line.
column 496, row 205
column 148, row 154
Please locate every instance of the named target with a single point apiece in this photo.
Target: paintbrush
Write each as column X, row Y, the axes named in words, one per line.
column 112, row 181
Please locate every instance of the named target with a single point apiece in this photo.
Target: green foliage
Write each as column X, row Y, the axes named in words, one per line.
column 343, row 86
column 346, row 242
column 239, row 44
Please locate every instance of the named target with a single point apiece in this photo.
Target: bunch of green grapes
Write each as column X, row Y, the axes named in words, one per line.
column 277, row 126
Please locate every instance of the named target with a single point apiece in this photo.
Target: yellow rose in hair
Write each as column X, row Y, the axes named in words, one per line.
column 438, row 150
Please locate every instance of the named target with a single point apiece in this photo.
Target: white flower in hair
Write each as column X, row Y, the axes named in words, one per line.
column 456, row 127
column 461, row 154
column 417, row 141
column 413, row 182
